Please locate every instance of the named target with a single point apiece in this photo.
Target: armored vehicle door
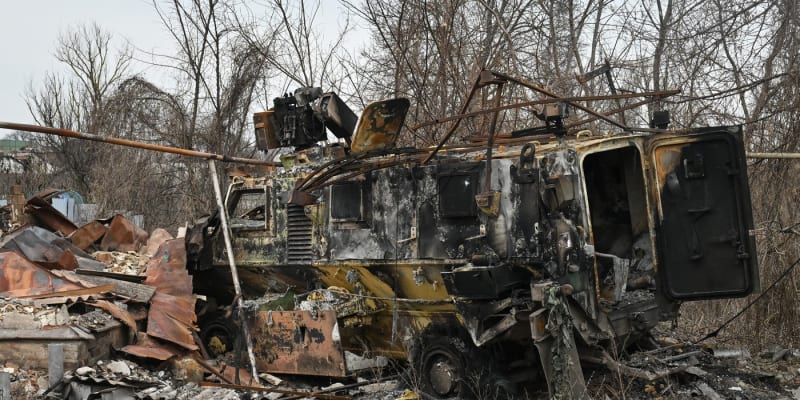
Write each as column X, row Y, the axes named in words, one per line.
column 704, row 221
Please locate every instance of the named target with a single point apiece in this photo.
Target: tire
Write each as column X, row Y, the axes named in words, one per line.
column 218, row 334
column 440, row 367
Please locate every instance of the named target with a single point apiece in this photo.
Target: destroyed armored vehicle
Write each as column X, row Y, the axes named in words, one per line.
column 539, row 250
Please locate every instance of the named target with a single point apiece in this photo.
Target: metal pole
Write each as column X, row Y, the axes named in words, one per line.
column 791, row 156
column 55, row 363
column 5, row 386
column 129, row 143
column 223, row 217
column 659, row 94
column 453, row 128
column 551, row 94
column 490, row 143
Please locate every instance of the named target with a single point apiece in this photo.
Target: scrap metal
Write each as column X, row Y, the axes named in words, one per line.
column 299, row 343
column 47, row 249
column 123, row 235
column 581, row 242
column 21, row 277
column 171, row 316
column 40, row 209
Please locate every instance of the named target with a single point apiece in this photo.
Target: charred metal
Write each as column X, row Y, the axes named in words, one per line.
column 541, row 253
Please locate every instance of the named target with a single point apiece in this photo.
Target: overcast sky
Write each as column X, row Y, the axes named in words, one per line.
column 29, row 30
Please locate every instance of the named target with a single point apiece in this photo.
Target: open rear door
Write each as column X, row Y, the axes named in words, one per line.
column 704, row 223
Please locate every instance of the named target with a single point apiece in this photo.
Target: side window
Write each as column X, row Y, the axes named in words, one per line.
column 248, row 209
column 347, row 202
column 457, row 195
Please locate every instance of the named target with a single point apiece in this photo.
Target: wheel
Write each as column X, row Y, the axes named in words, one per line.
column 447, row 365
column 217, row 334
column 441, row 366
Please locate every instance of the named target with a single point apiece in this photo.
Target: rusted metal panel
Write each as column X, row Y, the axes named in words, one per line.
column 88, row 234
column 44, row 248
column 298, row 342
column 43, row 212
column 172, row 318
column 20, row 277
column 123, row 235
column 171, row 315
column 153, row 351
column 91, row 291
column 117, row 313
column 166, row 270
column 380, row 125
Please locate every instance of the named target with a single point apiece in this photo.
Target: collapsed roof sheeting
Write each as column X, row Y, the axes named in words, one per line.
column 48, row 249
column 123, row 235
column 20, row 277
column 171, row 315
column 42, row 211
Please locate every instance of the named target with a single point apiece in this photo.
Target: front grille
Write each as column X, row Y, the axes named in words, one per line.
column 298, row 240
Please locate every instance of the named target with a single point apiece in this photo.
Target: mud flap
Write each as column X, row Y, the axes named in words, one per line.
column 552, row 330
column 299, row 342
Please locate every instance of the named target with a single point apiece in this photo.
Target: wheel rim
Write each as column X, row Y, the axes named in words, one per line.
column 222, row 334
column 443, row 373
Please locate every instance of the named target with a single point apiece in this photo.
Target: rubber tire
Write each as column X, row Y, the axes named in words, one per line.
column 442, row 352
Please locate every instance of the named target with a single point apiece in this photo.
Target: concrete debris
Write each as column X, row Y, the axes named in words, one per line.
column 271, row 379
column 381, row 387
column 27, row 314
column 708, row 392
column 118, row 367
column 25, row 383
column 128, row 263
column 335, row 385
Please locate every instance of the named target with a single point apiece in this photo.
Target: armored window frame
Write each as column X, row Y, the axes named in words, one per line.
column 448, row 208
column 339, row 191
column 237, row 213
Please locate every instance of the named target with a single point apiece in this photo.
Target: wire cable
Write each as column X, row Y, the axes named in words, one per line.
column 716, row 332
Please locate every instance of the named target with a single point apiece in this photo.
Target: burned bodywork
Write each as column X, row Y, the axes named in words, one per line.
column 529, row 256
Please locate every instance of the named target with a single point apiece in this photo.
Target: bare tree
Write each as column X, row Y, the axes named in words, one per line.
column 77, row 101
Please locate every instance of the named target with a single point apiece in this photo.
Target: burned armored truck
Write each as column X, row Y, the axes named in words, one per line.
column 531, row 251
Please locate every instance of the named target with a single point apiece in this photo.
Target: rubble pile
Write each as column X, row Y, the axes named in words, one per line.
column 682, row 370
column 95, row 290
column 17, row 313
column 128, row 263
column 120, row 305
column 26, row 383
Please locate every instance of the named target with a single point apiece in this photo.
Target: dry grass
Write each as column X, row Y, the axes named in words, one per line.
column 774, row 319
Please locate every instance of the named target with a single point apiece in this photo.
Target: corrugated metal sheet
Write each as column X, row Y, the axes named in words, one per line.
column 171, row 315
column 44, row 248
column 20, row 277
